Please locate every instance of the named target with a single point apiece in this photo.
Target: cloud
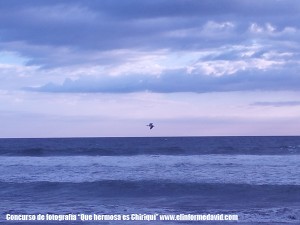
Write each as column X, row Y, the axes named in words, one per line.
column 179, row 81
column 157, row 46
column 226, row 67
column 63, row 33
column 277, row 104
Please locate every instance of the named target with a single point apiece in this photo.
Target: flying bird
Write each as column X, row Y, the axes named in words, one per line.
column 150, row 125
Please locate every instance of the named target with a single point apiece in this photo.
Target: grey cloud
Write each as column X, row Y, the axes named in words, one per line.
column 277, row 104
column 93, row 26
column 179, row 81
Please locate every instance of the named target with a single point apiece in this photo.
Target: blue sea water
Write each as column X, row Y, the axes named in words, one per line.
column 256, row 178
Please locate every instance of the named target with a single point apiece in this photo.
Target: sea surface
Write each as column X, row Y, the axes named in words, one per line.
column 254, row 178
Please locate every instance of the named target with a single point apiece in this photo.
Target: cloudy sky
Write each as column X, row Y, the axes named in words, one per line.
column 107, row 68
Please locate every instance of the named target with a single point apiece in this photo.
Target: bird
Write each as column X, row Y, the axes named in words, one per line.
column 150, row 125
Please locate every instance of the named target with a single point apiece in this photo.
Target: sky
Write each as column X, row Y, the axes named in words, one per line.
column 107, row 68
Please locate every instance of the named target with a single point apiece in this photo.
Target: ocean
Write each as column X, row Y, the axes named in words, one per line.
column 161, row 180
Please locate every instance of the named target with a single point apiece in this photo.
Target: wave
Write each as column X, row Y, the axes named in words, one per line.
column 248, row 169
column 120, row 188
column 253, row 203
column 150, row 146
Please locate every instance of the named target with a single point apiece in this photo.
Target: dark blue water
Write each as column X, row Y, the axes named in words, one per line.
column 256, row 178
column 149, row 146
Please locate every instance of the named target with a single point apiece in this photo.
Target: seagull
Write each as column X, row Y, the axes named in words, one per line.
column 150, row 125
